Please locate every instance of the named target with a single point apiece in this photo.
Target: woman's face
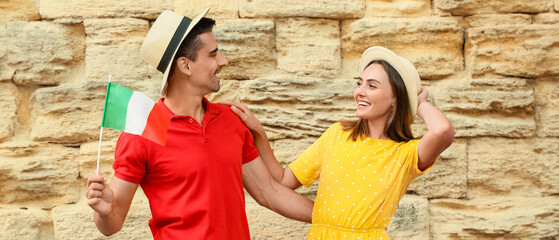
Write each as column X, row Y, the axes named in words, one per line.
column 373, row 94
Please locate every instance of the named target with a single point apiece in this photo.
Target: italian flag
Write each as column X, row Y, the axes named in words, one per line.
column 134, row 113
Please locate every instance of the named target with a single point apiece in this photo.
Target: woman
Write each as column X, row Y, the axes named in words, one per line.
column 364, row 167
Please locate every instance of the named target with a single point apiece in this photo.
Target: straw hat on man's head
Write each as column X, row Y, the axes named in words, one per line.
column 163, row 40
column 403, row 66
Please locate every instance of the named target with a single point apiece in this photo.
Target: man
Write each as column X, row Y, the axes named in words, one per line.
column 195, row 182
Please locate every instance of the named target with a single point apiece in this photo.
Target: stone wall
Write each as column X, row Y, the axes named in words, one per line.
column 491, row 67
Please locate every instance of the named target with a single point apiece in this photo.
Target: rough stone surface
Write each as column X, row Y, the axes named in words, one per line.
column 491, row 125
column 113, row 48
column 297, row 107
column 411, row 220
column 309, row 47
column 511, row 96
column 75, row 221
column 513, row 50
column 297, row 8
column 82, row 108
column 495, row 218
column 265, row 224
column 248, row 45
column 25, row 223
column 490, row 67
column 547, row 18
column 513, row 167
column 398, row 8
column 497, row 19
column 76, row 9
column 448, row 177
column 19, row 10
column 40, row 53
column 88, row 160
column 219, row 9
column 470, row 7
column 8, row 110
column 436, row 42
column 39, row 174
column 547, row 103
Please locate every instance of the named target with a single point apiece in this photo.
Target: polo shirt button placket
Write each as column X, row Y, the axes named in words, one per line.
column 190, row 120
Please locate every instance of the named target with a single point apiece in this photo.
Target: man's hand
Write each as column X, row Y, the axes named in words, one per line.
column 99, row 195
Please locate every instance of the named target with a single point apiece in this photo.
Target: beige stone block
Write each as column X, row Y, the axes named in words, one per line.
column 448, row 177
column 229, row 91
column 495, row 218
column 411, row 219
column 547, row 18
column 309, row 47
column 491, row 125
column 299, row 8
column 77, row 9
column 473, row 7
column 398, row 8
column 8, row 110
column 249, row 46
column 88, row 160
column 513, row 50
column 436, row 51
column 513, row 167
column 264, row 224
column 25, row 223
column 19, row 10
column 75, row 221
column 497, row 19
column 295, row 107
column 40, row 53
column 113, row 48
column 39, row 174
column 288, row 150
column 219, row 8
column 69, row 114
column 510, row 96
column 557, row 5
column 547, row 105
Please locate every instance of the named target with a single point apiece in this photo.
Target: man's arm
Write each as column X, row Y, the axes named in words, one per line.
column 110, row 203
column 269, row 193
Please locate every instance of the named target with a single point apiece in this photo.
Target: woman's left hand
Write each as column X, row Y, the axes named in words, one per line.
column 422, row 96
column 245, row 114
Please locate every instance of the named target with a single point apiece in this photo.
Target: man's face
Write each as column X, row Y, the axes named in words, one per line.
column 206, row 68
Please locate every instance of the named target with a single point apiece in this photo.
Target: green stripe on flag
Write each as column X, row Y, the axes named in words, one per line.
column 116, row 105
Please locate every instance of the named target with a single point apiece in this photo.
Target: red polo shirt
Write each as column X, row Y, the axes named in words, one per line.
column 194, row 183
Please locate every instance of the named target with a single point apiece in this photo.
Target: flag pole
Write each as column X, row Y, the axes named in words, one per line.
column 100, row 137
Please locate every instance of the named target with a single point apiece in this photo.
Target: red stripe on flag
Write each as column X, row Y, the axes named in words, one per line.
column 157, row 125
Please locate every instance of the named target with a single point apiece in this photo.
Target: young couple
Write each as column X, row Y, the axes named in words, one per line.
column 195, row 182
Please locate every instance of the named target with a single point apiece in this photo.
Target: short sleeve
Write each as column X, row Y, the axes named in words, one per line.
column 250, row 152
column 130, row 157
column 412, row 159
column 308, row 165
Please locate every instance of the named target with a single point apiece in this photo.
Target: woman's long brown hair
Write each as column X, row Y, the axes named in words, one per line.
column 398, row 125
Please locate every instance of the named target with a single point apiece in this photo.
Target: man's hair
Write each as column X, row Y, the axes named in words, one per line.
column 192, row 43
column 398, row 125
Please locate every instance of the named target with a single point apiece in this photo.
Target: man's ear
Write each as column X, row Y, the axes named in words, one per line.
column 184, row 65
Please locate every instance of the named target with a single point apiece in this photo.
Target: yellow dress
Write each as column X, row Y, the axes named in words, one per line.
column 360, row 183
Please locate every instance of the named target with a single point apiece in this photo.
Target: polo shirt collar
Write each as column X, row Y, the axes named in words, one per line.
column 210, row 108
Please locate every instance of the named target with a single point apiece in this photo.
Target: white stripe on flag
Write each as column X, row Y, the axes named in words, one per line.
column 137, row 114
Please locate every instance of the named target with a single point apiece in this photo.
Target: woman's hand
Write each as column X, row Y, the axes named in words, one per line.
column 422, row 96
column 245, row 114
